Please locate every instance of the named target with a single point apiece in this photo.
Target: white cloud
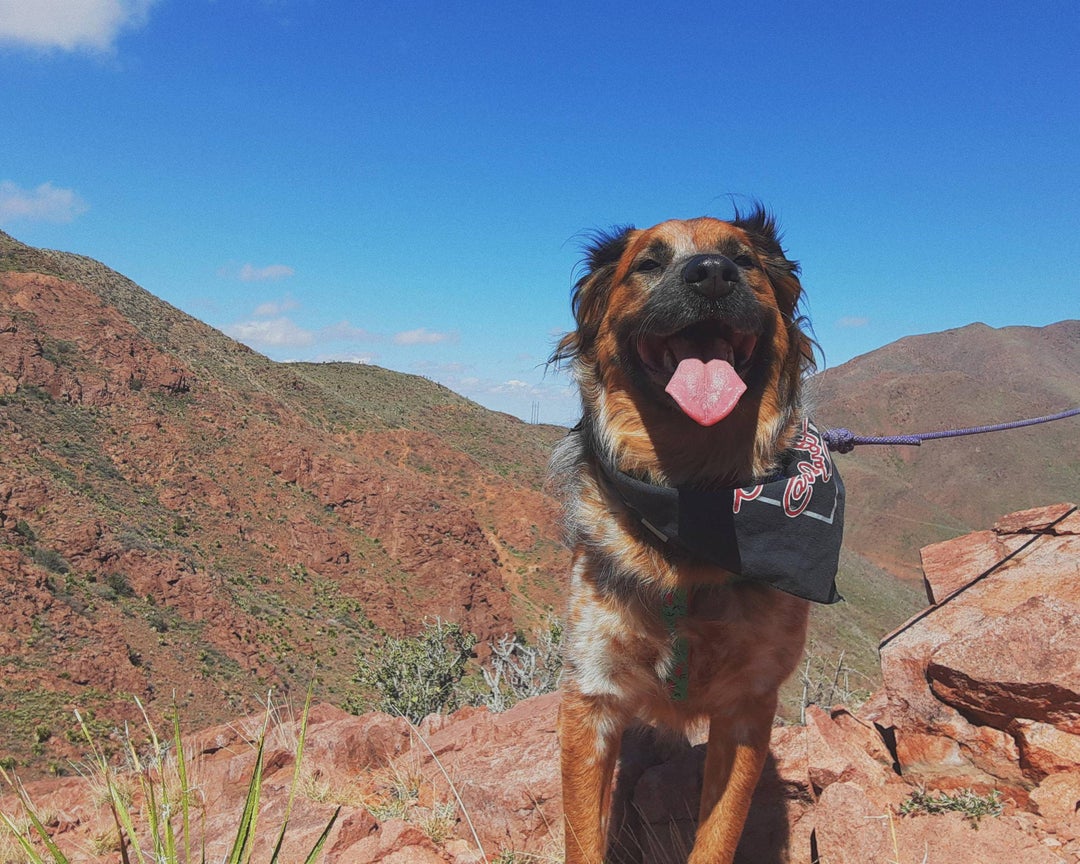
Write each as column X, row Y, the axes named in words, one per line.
column 423, row 336
column 270, row 273
column 557, row 400
column 345, row 331
column 515, row 386
column 269, row 327
column 70, row 24
column 432, row 369
column 556, row 403
column 47, row 203
column 273, row 308
column 271, row 333
column 360, row 359
column 851, row 321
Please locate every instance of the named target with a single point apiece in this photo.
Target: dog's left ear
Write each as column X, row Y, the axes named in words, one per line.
column 589, row 300
column 783, row 273
column 761, row 225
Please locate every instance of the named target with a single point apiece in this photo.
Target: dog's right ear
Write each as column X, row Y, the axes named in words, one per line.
column 589, row 299
column 605, row 248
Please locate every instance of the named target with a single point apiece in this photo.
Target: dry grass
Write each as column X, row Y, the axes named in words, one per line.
column 152, row 804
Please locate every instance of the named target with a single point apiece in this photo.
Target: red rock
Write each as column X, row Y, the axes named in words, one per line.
column 1046, row 750
column 352, row 828
column 1037, row 520
column 394, row 841
column 1023, row 665
column 837, row 751
column 414, row 855
column 1007, row 647
column 950, row 565
column 461, row 852
column 1058, row 798
column 853, row 829
column 504, row 768
column 354, row 744
column 789, row 762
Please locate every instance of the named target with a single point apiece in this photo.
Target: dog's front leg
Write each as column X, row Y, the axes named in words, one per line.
column 734, row 757
column 589, row 734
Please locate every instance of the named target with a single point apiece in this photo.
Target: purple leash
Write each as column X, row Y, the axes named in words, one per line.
column 844, row 440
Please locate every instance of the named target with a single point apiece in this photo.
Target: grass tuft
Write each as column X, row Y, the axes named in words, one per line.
column 967, row 802
column 160, row 831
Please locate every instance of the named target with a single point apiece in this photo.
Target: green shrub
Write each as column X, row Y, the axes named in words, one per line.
column 157, row 621
column 415, row 675
column 50, row 559
column 119, row 583
column 966, row 801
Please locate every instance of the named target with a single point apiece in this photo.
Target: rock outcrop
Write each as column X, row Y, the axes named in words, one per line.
column 980, row 703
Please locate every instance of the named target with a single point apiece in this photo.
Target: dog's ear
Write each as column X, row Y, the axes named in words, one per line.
column 783, row 273
column 762, row 228
column 589, row 299
column 605, row 248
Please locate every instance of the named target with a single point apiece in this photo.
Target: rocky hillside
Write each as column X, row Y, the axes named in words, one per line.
column 183, row 519
column 903, row 498
column 188, row 522
column 969, row 752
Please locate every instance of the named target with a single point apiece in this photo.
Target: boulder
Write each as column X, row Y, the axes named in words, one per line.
column 854, row 827
column 965, row 679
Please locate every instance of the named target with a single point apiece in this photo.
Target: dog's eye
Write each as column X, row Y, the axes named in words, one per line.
column 745, row 261
column 646, row 264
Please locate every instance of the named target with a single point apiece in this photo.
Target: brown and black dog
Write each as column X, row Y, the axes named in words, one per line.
column 689, row 354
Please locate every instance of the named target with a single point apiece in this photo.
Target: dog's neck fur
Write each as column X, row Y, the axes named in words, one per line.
column 704, row 524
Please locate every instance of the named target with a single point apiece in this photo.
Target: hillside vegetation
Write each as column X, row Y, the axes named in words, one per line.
column 186, row 521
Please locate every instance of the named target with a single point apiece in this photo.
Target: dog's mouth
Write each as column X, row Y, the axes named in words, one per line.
column 702, row 367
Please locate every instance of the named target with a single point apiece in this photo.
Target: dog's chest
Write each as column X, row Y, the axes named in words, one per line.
column 734, row 642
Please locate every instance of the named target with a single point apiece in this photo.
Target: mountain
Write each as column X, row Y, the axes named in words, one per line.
column 902, row 498
column 184, row 519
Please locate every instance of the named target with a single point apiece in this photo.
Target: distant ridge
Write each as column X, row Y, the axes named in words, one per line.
column 902, row 498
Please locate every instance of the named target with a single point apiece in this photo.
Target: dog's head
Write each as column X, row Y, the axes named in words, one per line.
column 688, row 347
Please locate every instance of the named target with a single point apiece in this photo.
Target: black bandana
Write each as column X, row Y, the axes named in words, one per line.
column 785, row 532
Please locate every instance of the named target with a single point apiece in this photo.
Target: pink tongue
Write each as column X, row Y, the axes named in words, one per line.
column 706, row 392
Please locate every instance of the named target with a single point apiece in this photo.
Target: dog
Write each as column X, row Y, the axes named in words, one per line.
column 689, row 352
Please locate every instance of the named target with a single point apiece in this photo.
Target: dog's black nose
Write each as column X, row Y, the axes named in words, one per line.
column 712, row 276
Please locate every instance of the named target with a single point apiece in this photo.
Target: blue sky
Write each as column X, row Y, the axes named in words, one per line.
column 407, row 183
